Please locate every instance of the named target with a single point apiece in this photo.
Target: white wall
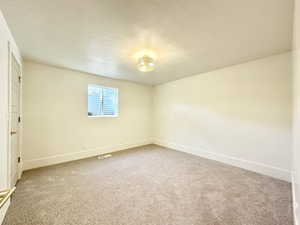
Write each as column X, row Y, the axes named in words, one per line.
column 56, row 125
column 296, row 125
column 240, row 115
column 6, row 40
column 3, row 111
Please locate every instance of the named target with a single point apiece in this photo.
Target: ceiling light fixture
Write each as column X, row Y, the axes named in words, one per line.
column 146, row 63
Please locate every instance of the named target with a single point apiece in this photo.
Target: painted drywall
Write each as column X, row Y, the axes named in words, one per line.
column 3, row 112
column 188, row 36
column 55, row 121
column 296, row 124
column 240, row 115
column 6, row 42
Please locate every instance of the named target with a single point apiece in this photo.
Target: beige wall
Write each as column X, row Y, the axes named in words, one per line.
column 296, row 125
column 56, row 126
column 240, row 115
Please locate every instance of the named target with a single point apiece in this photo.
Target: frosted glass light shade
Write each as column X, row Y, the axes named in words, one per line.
column 146, row 64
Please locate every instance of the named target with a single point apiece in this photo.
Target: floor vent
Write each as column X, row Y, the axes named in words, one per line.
column 104, row 156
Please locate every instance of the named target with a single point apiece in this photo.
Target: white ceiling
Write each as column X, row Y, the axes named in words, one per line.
column 188, row 36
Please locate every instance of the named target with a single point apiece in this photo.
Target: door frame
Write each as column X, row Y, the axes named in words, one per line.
column 12, row 51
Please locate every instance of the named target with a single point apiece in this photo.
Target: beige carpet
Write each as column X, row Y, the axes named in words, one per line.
column 149, row 185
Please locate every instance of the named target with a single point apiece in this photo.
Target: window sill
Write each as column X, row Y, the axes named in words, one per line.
column 104, row 116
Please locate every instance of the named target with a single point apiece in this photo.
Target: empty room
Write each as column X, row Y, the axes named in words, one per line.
column 156, row 112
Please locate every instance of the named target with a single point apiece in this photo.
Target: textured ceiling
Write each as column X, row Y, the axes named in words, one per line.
column 189, row 37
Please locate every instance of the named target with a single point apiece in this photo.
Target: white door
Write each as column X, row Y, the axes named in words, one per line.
column 14, row 114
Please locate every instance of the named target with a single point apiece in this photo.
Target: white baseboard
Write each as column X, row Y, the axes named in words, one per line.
column 295, row 204
column 245, row 164
column 3, row 211
column 56, row 159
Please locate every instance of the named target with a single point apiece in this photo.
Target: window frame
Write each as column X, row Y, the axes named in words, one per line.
column 117, row 101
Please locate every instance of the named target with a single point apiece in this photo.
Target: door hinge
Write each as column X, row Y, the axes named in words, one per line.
column 19, row 159
column 19, row 119
column 20, row 79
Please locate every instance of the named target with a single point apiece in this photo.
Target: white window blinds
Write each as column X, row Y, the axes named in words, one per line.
column 102, row 101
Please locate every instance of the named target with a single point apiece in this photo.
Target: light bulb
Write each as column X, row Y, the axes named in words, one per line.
column 146, row 64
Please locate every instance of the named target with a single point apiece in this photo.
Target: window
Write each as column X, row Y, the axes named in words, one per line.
column 102, row 101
